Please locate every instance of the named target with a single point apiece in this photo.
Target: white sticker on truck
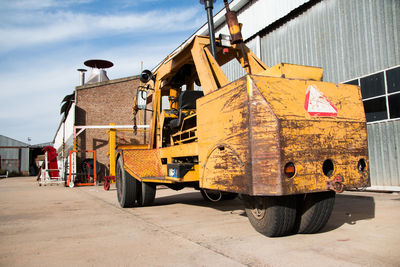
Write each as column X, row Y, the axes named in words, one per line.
column 317, row 104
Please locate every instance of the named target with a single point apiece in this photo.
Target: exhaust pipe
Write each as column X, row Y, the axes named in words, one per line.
column 81, row 76
column 236, row 33
column 208, row 4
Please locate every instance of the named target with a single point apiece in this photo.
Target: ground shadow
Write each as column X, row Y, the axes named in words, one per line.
column 349, row 209
column 195, row 198
column 98, row 143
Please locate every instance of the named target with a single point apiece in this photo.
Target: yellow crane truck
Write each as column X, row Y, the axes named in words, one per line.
column 280, row 137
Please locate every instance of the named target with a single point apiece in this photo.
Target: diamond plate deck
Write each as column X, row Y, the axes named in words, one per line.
column 149, row 164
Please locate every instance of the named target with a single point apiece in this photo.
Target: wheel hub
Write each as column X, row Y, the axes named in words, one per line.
column 258, row 213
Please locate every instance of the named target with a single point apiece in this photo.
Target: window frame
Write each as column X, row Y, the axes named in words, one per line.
column 386, row 93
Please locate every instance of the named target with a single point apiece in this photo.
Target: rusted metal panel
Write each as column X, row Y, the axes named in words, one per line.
column 309, row 143
column 286, row 70
column 141, row 163
column 222, row 121
column 287, row 98
column 308, row 140
column 264, row 124
column 265, row 144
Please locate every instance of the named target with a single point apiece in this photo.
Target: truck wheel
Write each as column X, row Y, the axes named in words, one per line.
column 126, row 186
column 271, row 216
column 147, row 194
column 314, row 211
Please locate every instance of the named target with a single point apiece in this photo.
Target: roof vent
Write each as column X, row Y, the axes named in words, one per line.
column 81, row 76
column 98, row 73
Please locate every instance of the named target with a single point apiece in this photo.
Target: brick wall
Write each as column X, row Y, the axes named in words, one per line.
column 101, row 104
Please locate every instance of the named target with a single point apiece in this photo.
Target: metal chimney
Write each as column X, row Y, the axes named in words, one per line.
column 98, row 73
column 82, row 76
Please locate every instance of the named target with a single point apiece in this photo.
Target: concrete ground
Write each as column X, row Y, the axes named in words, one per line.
column 58, row 226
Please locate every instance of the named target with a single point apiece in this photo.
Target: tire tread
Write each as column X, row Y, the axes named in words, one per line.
column 315, row 211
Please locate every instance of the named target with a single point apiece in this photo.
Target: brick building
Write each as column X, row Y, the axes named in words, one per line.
column 103, row 103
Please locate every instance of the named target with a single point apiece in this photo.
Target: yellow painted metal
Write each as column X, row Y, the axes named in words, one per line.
column 285, row 70
column 125, row 147
column 111, row 148
column 247, row 130
column 187, row 150
column 143, row 163
column 208, row 82
column 191, row 176
column 255, row 64
column 74, row 144
column 266, row 125
column 216, row 70
column 174, row 93
column 152, row 180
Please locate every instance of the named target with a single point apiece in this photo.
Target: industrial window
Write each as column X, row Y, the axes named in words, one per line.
column 381, row 94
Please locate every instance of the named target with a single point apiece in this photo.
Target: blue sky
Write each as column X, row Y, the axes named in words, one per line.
column 44, row 42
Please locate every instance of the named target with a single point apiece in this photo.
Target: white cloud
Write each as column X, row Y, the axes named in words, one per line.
column 41, row 4
column 44, row 28
column 31, row 96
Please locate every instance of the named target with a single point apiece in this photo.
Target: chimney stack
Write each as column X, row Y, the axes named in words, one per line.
column 81, row 76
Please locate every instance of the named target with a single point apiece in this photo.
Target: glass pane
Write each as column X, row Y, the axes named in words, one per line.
column 141, row 99
column 353, row 82
column 393, row 80
column 375, row 109
column 165, row 103
column 394, row 106
column 372, row 85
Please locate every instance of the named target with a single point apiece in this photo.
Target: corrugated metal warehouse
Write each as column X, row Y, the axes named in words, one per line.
column 14, row 155
column 354, row 42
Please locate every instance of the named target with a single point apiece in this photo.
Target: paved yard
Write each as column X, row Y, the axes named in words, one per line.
column 58, row 226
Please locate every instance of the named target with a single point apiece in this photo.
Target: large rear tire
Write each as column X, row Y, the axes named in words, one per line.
column 314, row 210
column 273, row 215
column 147, row 194
column 126, row 186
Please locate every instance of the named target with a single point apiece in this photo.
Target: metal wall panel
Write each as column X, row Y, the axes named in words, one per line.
column 14, row 158
column 233, row 70
column 347, row 38
column 255, row 15
column 384, row 153
column 6, row 141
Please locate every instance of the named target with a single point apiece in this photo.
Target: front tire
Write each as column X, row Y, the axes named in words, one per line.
column 147, row 193
column 126, row 186
column 314, row 211
column 271, row 215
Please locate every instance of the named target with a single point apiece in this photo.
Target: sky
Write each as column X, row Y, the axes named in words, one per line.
column 44, row 42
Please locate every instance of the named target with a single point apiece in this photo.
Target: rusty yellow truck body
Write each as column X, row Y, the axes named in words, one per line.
column 280, row 137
